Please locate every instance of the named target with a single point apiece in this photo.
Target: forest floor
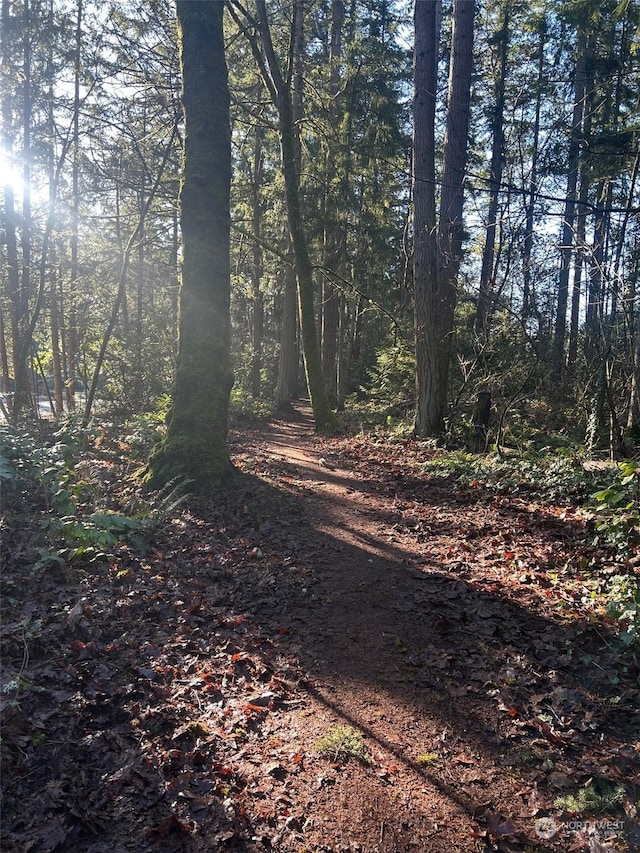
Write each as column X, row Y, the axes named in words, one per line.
column 340, row 654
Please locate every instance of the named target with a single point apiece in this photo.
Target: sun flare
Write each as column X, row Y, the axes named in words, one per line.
column 9, row 173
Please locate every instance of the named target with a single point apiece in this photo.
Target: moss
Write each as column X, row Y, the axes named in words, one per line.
column 205, row 470
column 195, row 443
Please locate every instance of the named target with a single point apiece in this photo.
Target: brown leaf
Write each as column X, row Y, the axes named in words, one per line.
column 169, row 826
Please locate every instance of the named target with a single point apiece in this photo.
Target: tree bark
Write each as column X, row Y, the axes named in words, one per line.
column 289, row 358
column 578, row 263
column 288, row 363
column 425, row 252
column 18, row 304
column 436, row 281
column 4, row 367
column 26, row 343
column 322, row 413
column 72, row 314
column 532, row 190
column 257, row 301
column 195, row 443
column 334, row 241
column 480, row 422
column 568, row 221
column 495, row 179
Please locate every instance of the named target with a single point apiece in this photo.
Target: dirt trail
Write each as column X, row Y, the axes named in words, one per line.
column 362, row 611
column 407, row 633
column 170, row 699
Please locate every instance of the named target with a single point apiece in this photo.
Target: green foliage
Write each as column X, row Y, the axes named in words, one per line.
column 43, row 463
column 342, row 743
column 242, row 362
column 367, row 415
column 242, row 404
column 18, row 462
column 161, row 505
column 51, row 473
column 623, row 604
column 143, row 431
column 393, row 377
column 93, row 536
column 617, row 507
column 547, row 476
column 598, row 797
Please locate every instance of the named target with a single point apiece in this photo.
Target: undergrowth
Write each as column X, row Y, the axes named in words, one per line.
column 66, row 480
column 342, row 743
column 612, row 496
column 617, row 510
column 558, row 476
column 598, row 797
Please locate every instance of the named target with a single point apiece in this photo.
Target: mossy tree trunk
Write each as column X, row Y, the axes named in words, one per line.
column 195, row 444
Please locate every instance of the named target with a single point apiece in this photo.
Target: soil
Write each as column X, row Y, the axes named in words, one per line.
column 339, row 654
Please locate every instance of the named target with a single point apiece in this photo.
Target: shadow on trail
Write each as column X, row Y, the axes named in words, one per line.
column 477, row 676
column 257, row 620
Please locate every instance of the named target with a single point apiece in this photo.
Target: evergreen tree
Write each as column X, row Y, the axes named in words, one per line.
column 195, row 443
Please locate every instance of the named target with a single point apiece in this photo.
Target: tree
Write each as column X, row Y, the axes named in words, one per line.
column 289, row 358
column 17, row 277
column 425, row 260
column 495, row 176
column 195, row 443
column 334, row 236
column 280, row 90
column 566, row 244
column 436, row 270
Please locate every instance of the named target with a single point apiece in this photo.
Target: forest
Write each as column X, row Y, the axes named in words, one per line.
column 320, row 425
column 544, row 313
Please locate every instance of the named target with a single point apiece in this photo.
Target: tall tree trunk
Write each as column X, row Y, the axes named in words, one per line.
column 257, row 300
column 425, row 251
column 600, row 319
column 333, row 235
column 597, row 325
column 578, row 264
column 27, row 218
column 289, row 358
column 532, row 192
column 4, row 366
column 55, row 293
column 630, row 294
column 495, row 179
column 195, row 443
column 322, row 413
column 633, row 415
column 56, row 358
column 568, row 219
column 18, row 306
column 434, row 328
column 137, row 375
column 72, row 314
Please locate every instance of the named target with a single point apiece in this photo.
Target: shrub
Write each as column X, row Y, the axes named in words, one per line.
column 342, row 743
column 51, row 474
column 617, row 508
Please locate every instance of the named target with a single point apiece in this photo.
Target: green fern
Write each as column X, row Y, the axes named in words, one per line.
column 169, row 498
